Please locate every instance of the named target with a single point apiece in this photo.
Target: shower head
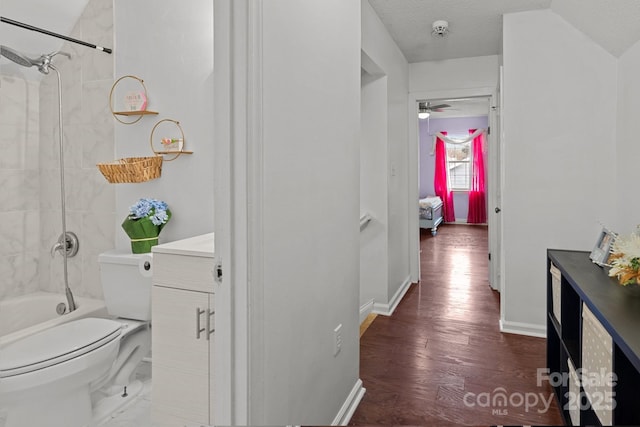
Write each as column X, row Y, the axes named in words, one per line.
column 43, row 62
column 17, row 57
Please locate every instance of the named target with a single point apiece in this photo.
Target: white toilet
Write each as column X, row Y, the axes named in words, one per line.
column 75, row 374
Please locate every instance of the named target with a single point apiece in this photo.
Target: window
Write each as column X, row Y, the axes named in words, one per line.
column 459, row 164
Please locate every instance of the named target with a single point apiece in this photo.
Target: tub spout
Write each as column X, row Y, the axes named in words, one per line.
column 70, row 301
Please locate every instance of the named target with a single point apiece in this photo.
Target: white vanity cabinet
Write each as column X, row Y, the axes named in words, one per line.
column 183, row 332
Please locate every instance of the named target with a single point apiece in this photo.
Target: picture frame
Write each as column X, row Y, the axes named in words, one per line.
column 172, row 145
column 135, row 101
column 600, row 253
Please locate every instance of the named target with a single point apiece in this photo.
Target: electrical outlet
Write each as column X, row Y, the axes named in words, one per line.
column 337, row 339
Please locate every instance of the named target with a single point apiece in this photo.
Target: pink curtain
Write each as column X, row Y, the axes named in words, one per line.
column 477, row 204
column 440, row 181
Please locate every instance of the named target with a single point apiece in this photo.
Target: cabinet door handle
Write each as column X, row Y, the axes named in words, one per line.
column 210, row 320
column 199, row 330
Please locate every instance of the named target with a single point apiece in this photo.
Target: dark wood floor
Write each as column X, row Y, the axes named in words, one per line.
column 441, row 359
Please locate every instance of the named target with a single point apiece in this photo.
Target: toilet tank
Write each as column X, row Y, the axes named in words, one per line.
column 127, row 293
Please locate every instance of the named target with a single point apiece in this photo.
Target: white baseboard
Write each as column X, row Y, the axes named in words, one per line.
column 365, row 309
column 529, row 329
column 350, row 405
column 459, row 221
column 390, row 307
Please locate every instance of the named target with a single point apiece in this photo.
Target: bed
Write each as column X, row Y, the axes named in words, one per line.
column 430, row 213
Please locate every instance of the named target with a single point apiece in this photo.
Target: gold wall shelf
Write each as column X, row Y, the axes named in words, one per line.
column 174, row 152
column 135, row 113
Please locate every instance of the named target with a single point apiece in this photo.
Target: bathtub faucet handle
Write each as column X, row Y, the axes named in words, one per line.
column 57, row 247
column 68, row 243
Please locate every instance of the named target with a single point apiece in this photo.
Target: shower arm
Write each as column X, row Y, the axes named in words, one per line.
column 51, row 33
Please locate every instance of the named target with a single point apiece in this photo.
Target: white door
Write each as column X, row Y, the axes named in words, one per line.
column 495, row 186
column 230, row 354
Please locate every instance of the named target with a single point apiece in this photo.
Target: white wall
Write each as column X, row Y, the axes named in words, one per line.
column 378, row 45
column 169, row 45
column 559, row 168
column 628, row 149
column 454, row 74
column 310, row 208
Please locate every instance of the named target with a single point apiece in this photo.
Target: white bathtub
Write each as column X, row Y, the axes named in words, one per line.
column 25, row 315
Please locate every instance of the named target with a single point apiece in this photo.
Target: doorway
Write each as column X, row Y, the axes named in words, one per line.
column 374, row 197
column 463, row 110
column 454, row 117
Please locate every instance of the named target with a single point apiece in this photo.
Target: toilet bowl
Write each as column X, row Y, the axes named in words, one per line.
column 78, row 373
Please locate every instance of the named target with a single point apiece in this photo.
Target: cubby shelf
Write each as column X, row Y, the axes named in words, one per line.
column 587, row 289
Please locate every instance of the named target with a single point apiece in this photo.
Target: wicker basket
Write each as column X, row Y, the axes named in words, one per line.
column 132, row 169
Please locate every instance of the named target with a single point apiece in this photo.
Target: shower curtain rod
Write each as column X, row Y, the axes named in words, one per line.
column 50, row 33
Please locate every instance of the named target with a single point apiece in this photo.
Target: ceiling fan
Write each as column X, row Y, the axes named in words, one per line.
column 425, row 109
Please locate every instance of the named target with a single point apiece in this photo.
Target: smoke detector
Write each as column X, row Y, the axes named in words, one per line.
column 440, row 29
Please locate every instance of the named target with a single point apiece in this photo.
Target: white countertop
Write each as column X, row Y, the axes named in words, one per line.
column 202, row 246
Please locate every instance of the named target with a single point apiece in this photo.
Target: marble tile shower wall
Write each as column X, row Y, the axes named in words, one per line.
column 88, row 139
column 19, row 204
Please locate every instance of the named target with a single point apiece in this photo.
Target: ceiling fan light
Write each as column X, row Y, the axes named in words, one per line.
column 423, row 115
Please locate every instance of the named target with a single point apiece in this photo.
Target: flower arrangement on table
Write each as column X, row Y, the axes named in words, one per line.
column 625, row 259
column 144, row 223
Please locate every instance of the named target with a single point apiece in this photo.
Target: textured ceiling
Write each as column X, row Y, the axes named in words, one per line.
column 613, row 24
column 476, row 26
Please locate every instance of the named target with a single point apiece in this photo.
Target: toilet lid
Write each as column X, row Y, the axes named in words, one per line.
column 56, row 345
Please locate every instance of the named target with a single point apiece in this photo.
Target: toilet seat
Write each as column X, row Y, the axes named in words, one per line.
column 129, row 326
column 56, row 345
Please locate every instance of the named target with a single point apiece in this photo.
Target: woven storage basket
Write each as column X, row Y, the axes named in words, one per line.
column 132, row 169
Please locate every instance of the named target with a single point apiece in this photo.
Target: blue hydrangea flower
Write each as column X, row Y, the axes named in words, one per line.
column 155, row 210
column 140, row 209
column 159, row 204
column 159, row 217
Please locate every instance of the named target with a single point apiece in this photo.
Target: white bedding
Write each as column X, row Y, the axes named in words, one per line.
column 430, row 201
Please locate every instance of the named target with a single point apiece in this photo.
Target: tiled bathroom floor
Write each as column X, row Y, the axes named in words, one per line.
column 138, row 412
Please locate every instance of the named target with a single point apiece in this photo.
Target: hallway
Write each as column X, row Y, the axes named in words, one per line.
column 441, row 359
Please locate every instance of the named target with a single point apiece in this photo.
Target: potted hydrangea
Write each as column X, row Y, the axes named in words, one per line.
column 144, row 223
